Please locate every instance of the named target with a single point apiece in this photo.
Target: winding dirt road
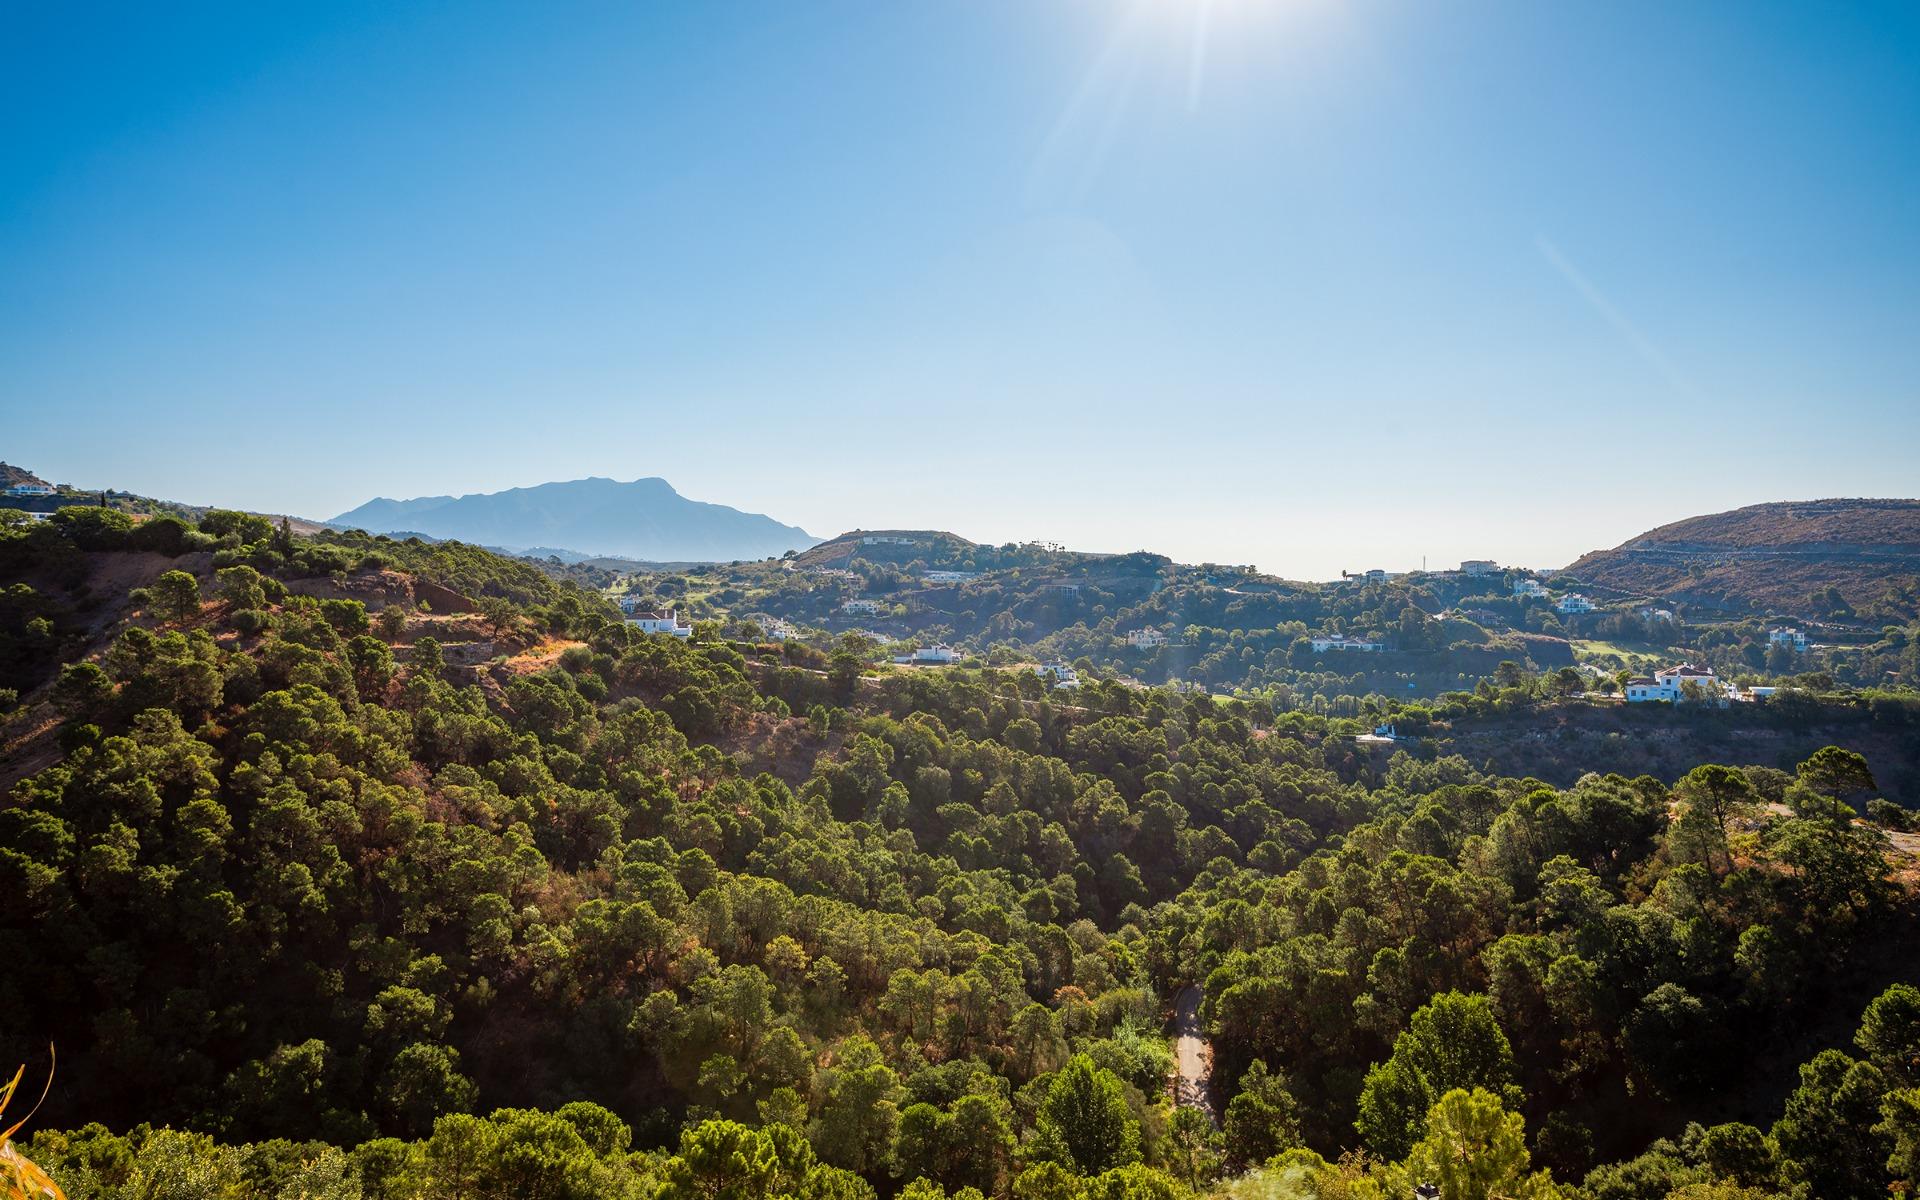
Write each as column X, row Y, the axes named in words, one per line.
column 1192, row 1057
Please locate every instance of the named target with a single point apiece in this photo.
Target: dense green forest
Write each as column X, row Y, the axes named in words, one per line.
column 352, row 867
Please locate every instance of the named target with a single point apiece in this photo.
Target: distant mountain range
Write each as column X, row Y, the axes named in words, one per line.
column 645, row 519
column 1772, row 556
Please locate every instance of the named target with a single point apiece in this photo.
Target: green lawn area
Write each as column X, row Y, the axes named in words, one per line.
column 1630, row 652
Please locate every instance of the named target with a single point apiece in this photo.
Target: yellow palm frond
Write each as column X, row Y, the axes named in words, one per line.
column 20, row 1179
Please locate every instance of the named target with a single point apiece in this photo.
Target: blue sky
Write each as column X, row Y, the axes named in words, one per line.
column 1305, row 283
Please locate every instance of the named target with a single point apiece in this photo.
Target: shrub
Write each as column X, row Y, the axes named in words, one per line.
column 250, row 621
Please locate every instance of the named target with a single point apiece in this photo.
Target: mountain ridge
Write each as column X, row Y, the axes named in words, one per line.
column 643, row 518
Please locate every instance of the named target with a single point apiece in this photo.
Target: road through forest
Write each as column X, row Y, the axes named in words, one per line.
column 1192, row 1057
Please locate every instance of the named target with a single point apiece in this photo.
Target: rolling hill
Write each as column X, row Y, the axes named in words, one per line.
column 12, row 476
column 1780, row 557
column 643, row 519
column 933, row 546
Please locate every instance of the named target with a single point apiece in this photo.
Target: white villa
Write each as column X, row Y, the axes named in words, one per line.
column 1650, row 613
column 1323, row 644
column 887, row 539
column 780, row 631
column 1146, row 639
column 1529, row 589
column 659, row 622
column 1785, row 636
column 1668, row 682
column 950, row 576
column 1574, row 602
column 1062, row 674
column 938, row 654
column 31, row 489
column 871, row 608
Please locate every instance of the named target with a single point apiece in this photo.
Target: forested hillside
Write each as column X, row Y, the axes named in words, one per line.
column 353, row 867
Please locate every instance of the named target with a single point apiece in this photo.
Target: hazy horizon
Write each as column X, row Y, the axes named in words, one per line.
column 1278, row 566
column 1316, row 285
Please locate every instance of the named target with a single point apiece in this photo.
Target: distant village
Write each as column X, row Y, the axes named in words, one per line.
column 1675, row 683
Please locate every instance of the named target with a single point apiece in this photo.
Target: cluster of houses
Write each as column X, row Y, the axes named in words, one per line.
column 1571, row 604
column 1149, row 638
column 1472, row 567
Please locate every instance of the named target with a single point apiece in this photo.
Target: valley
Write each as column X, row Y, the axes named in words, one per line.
column 388, row 849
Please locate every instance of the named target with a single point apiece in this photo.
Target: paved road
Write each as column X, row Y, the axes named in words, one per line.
column 1192, row 1057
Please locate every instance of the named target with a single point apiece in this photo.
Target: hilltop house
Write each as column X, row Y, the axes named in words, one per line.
column 1146, row 639
column 1574, row 602
column 1529, row 589
column 1322, row 645
column 1669, row 683
column 871, row 608
column 31, row 489
column 1788, row 637
column 659, row 622
column 938, row 654
column 1479, row 566
column 887, row 539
